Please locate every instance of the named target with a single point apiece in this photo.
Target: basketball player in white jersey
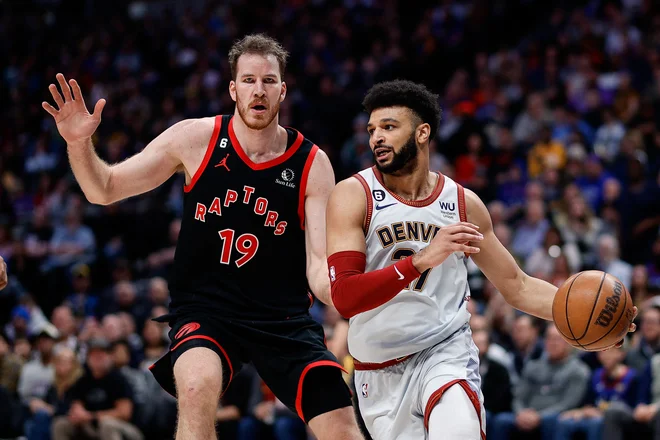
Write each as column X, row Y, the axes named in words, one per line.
column 398, row 236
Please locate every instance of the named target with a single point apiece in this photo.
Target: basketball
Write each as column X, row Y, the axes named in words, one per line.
column 592, row 310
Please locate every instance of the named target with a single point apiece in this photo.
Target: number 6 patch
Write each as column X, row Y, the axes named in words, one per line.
column 379, row 195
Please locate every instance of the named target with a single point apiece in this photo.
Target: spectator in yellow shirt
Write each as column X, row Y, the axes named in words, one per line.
column 545, row 154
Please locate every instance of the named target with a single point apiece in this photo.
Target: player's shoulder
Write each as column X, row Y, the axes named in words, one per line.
column 187, row 132
column 475, row 206
column 351, row 185
column 321, row 178
column 194, row 127
column 348, row 201
column 350, row 191
column 321, row 160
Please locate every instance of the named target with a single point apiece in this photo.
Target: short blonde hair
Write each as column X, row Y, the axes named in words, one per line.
column 258, row 44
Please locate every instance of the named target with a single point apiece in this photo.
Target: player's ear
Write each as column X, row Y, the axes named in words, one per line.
column 423, row 133
column 232, row 89
column 283, row 91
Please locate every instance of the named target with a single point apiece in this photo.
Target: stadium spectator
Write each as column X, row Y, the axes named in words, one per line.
column 528, row 343
column 101, row 401
column 10, row 367
column 622, row 421
column 613, row 382
column 547, row 387
column 57, row 400
column 648, row 340
column 38, row 375
column 495, row 380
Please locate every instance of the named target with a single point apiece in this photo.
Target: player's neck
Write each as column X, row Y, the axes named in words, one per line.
column 266, row 142
column 417, row 184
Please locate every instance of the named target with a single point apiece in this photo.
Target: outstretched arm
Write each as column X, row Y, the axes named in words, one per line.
column 320, row 182
column 525, row 293
column 528, row 294
column 103, row 183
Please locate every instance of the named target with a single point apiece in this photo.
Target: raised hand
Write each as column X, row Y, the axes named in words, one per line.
column 73, row 120
column 449, row 239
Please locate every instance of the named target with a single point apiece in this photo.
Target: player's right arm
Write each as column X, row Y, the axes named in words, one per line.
column 103, row 183
column 353, row 291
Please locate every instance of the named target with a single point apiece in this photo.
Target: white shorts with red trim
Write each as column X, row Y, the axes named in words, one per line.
column 395, row 401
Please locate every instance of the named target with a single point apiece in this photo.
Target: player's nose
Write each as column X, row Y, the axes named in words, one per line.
column 259, row 89
column 377, row 137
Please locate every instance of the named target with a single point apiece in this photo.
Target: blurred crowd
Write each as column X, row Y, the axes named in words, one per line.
column 551, row 114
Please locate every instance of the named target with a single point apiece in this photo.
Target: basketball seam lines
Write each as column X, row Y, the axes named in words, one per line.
column 600, row 289
column 623, row 309
column 568, row 321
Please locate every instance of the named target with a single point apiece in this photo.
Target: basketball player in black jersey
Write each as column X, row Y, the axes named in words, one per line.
column 251, row 246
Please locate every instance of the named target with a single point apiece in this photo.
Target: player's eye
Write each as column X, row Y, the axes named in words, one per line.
column 389, row 127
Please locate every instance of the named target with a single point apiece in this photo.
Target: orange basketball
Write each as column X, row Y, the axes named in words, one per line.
column 592, row 310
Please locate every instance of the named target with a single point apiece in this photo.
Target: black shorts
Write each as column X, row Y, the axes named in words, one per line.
column 283, row 353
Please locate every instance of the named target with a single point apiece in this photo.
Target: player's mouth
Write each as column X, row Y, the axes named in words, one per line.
column 259, row 108
column 382, row 153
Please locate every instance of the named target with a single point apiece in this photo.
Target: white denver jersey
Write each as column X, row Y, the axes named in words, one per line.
column 433, row 306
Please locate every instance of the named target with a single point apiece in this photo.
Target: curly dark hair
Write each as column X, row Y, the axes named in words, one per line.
column 402, row 93
column 259, row 44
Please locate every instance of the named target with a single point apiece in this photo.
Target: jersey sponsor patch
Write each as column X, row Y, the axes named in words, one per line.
column 287, row 178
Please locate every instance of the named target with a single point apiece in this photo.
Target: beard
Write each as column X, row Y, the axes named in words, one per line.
column 260, row 122
column 403, row 161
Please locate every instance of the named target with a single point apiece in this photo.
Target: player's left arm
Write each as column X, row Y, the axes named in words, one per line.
column 528, row 294
column 320, row 182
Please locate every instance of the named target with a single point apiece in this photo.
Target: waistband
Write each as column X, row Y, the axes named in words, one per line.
column 362, row 366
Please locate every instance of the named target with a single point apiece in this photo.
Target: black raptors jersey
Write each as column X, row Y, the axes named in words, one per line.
column 241, row 249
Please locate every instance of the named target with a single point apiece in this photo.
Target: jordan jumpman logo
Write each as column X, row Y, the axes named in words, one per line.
column 223, row 163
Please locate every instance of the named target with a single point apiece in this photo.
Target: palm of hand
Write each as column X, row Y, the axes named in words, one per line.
column 74, row 122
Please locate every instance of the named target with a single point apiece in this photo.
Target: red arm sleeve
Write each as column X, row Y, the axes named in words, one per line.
column 354, row 291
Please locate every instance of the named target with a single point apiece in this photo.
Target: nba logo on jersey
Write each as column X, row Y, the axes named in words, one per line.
column 365, row 391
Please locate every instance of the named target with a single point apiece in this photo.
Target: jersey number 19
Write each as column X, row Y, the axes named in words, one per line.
column 246, row 245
